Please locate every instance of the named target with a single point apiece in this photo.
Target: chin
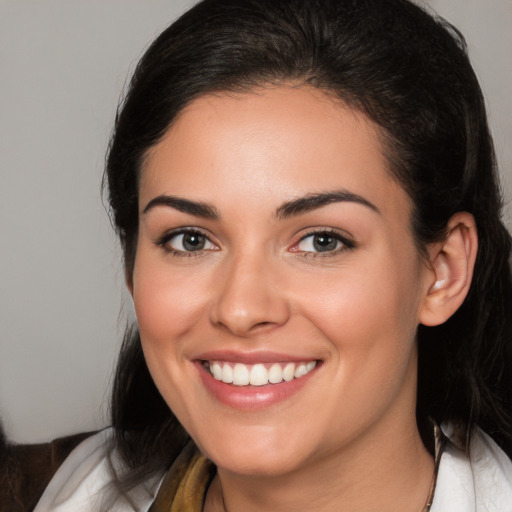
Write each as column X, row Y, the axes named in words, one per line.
column 250, row 463
column 258, row 454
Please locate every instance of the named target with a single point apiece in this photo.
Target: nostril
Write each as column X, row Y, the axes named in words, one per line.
column 262, row 327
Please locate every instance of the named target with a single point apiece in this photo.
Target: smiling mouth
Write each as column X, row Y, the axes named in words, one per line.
column 260, row 374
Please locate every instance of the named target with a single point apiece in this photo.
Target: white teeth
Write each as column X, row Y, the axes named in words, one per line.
column 216, row 370
column 275, row 374
column 240, row 374
column 289, row 372
column 227, row 374
column 258, row 375
column 300, row 371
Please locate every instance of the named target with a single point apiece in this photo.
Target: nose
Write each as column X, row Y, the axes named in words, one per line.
column 252, row 299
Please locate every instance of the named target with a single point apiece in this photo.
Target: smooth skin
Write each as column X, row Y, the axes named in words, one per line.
column 342, row 283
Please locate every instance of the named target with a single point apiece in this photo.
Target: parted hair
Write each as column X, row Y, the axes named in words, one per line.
column 407, row 70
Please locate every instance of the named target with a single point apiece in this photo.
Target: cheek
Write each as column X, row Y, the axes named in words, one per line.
column 167, row 303
column 354, row 302
column 369, row 314
column 167, row 308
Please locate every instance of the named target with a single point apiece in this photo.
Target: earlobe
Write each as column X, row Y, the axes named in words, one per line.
column 452, row 263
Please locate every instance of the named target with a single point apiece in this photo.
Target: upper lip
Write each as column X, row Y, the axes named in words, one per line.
column 251, row 357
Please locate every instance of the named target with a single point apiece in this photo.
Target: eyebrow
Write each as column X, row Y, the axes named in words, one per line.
column 313, row 201
column 288, row 209
column 196, row 208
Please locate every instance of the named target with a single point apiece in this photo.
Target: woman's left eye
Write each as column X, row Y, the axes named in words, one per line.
column 323, row 242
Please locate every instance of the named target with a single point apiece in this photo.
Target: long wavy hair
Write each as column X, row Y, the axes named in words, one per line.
column 408, row 71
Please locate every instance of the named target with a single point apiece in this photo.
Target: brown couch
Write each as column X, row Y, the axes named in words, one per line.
column 25, row 470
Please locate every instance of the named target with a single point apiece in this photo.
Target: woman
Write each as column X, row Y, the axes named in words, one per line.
column 307, row 202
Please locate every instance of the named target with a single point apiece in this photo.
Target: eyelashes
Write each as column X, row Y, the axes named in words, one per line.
column 186, row 242
column 193, row 242
column 323, row 242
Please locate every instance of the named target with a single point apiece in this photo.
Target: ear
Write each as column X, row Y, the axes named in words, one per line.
column 452, row 262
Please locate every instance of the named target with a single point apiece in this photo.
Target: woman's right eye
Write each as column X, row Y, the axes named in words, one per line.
column 184, row 243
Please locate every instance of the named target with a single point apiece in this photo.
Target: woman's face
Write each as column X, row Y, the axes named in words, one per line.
column 275, row 253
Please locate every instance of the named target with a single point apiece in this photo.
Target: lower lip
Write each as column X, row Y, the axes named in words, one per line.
column 251, row 397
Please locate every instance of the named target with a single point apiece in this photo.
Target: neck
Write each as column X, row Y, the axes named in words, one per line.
column 382, row 471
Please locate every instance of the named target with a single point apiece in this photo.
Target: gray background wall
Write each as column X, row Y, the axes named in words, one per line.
column 63, row 64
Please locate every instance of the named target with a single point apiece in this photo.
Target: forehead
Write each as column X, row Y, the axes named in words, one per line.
column 270, row 142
